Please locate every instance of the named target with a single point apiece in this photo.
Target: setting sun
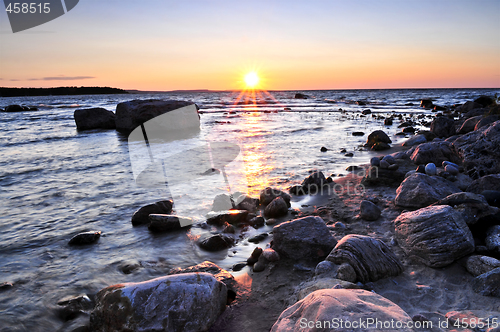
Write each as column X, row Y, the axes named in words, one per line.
column 251, row 79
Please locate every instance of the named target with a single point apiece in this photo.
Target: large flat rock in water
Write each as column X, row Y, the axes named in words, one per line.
column 435, row 235
column 359, row 310
column 184, row 302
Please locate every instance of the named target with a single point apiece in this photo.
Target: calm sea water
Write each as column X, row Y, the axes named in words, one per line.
column 56, row 182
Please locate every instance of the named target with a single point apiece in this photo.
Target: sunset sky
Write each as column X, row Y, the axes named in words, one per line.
column 167, row 45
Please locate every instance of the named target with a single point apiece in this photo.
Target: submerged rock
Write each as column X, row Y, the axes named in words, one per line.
column 306, row 238
column 141, row 216
column 371, row 258
column 435, row 235
column 94, row 118
column 330, row 305
column 85, row 238
column 187, row 302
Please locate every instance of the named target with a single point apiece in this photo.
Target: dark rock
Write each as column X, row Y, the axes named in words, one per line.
column 228, row 228
column 430, row 169
column 358, row 133
column 361, row 102
column 375, row 161
column 168, row 222
column 366, row 112
column 435, row 235
column 488, row 182
column 419, row 190
column 426, row 103
column 261, row 264
column 443, row 126
column 94, row 118
column 393, row 167
column 85, row 238
column 322, row 305
column 313, row 183
column 390, row 159
column 328, row 269
column 216, row 243
column 128, row 268
column 469, row 105
column 486, row 121
column 415, row 140
column 376, row 176
column 301, row 96
column 5, row 286
column 371, row 258
column 257, row 222
column 369, row 211
column 238, row 266
column 72, row 306
column 187, row 302
column 271, row 255
column 16, row 108
column 269, row 194
column 485, row 101
column 388, row 122
column 469, row 125
column 384, row 164
column 254, row 257
column 323, row 149
column 493, row 239
column 350, row 154
column 208, row 267
column 380, row 146
column 488, row 284
column 376, row 138
column 244, row 202
column 420, row 169
column 451, row 170
column 439, row 108
column 477, row 264
column 297, row 190
column 472, row 207
column 277, row 208
column 306, row 237
column 492, row 197
column 352, row 168
column 258, row 238
column 434, row 152
column 131, row 114
column 233, row 217
column 141, row 216
column 409, row 130
column 405, row 124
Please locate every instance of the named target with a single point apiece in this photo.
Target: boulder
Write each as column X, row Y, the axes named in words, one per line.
column 131, row 114
column 325, row 309
column 419, row 190
column 371, row 258
column 141, row 216
column 435, row 235
column 426, row 103
column 277, row 208
column 209, row 267
column 94, row 118
column 244, row 202
column 469, row 105
column 377, row 140
column 186, row 302
column 486, row 121
column 469, row 125
column 493, row 239
column 376, row 176
column 480, row 150
column 472, row 207
column 488, row 284
column 16, row 108
column 216, row 242
column 477, row 264
column 434, row 152
column 233, row 217
column 369, row 211
column 85, row 238
column 488, row 182
column 168, row 222
column 485, row 101
column 303, row 238
column 269, row 194
column 443, row 126
column 301, row 96
column 415, row 140
column 313, row 183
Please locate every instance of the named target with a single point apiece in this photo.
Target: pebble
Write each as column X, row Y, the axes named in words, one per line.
column 451, row 169
column 339, row 224
column 384, row 164
column 430, row 169
column 375, row 161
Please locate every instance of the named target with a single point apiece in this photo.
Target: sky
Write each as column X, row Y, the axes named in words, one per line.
column 159, row 45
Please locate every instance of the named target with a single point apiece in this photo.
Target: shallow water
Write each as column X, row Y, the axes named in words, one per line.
column 56, row 182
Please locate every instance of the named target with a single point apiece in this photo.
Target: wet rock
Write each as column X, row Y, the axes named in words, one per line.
column 443, row 126
column 269, row 194
column 371, row 258
column 131, row 114
column 480, row 150
column 435, row 235
column 187, row 302
column 322, row 305
column 271, row 255
column 261, row 264
column 488, row 182
column 238, row 266
column 469, row 125
column 388, row 122
column 472, row 206
column 216, row 243
column 272, row 221
column 419, row 190
column 228, row 228
column 485, row 101
column 258, row 238
column 493, row 239
column 168, row 222
column 141, row 216
column 378, row 140
column 211, row 268
column 369, row 211
column 409, row 130
column 128, row 268
column 94, row 118
column 244, row 202
column 358, row 133
column 85, row 238
column 301, row 96
column 233, row 217
column 297, row 190
column 430, row 169
column 352, row 168
column 375, row 161
column 350, row 154
column 5, row 286
column 384, row 164
column 420, row 169
column 254, row 257
column 313, row 183
column 277, row 208
column 72, row 306
column 306, row 238
column 257, row 222
column 366, row 112
column 376, row 176
column 434, row 152
column 488, row 284
column 323, row 149
column 426, row 103
column 477, row 264
column 19, row 108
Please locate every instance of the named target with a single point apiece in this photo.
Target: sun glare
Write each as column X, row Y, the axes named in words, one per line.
column 251, row 79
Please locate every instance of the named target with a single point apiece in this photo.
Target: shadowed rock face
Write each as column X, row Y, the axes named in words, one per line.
column 352, row 305
column 435, row 235
column 185, row 302
column 371, row 258
column 94, row 118
column 472, row 207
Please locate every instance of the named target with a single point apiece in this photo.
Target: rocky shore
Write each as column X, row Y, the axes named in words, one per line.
column 413, row 236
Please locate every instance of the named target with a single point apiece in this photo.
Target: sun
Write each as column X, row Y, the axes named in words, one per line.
column 251, row 79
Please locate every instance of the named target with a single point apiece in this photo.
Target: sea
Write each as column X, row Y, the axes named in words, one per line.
column 56, row 182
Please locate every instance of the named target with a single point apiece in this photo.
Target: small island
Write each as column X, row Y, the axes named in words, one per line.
column 59, row 91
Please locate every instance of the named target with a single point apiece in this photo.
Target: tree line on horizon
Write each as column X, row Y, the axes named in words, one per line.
column 59, row 91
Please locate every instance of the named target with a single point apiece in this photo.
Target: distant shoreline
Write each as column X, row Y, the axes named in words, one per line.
column 59, row 91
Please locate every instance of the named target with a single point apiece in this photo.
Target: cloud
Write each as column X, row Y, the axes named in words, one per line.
column 62, row 78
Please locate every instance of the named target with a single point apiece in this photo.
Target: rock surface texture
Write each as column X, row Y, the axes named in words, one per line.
column 94, row 118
